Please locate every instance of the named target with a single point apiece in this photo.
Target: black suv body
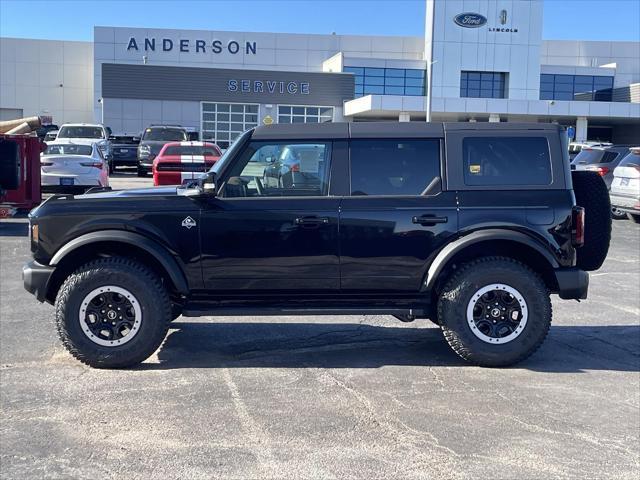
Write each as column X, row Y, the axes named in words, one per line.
column 412, row 220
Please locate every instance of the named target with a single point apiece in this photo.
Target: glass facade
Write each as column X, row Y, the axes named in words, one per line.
column 576, row 87
column 483, row 84
column 222, row 123
column 294, row 114
column 388, row 81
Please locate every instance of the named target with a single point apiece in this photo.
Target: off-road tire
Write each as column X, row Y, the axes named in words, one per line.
column 634, row 217
column 465, row 282
column 592, row 194
column 132, row 276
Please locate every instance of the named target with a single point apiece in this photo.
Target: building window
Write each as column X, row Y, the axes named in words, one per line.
column 222, row 123
column 294, row 114
column 592, row 88
column 388, row 81
column 483, row 84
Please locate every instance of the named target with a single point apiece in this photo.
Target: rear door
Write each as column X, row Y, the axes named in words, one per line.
column 396, row 215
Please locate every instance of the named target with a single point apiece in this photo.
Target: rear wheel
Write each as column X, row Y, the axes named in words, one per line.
column 494, row 311
column 112, row 313
column 617, row 214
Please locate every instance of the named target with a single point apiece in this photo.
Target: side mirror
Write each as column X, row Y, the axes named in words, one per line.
column 136, row 139
column 209, row 184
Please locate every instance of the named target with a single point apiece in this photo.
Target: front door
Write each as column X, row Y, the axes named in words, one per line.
column 273, row 227
column 396, row 216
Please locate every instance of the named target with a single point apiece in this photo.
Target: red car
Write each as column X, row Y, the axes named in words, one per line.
column 180, row 161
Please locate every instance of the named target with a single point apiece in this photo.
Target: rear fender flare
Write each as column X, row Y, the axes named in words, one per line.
column 160, row 253
column 449, row 251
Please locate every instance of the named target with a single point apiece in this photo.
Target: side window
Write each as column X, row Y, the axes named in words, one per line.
column 506, row 161
column 393, row 167
column 268, row 169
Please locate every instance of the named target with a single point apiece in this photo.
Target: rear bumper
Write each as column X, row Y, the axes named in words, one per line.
column 626, row 203
column 573, row 283
column 36, row 279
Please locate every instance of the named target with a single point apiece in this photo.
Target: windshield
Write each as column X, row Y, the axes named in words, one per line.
column 165, row 134
column 230, row 152
column 81, row 132
column 208, row 150
column 68, row 149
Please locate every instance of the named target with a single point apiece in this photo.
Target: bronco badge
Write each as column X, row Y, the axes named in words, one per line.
column 189, row 222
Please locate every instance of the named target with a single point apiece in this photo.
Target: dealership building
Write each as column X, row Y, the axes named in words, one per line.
column 486, row 59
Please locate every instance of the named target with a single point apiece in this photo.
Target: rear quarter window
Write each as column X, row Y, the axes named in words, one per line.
column 506, row 161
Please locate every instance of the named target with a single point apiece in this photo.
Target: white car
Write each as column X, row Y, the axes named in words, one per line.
column 88, row 134
column 50, row 136
column 69, row 167
column 625, row 187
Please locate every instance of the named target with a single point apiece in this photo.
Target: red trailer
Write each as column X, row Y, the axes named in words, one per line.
column 19, row 173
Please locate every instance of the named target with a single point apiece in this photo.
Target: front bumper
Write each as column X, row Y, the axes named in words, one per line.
column 573, row 283
column 35, row 277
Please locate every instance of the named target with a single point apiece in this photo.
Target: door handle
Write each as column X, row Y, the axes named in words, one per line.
column 429, row 220
column 311, row 221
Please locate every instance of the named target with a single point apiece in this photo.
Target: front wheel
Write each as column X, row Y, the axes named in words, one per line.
column 494, row 311
column 112, row 313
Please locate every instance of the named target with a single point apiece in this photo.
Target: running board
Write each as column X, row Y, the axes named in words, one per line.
column 213, row 311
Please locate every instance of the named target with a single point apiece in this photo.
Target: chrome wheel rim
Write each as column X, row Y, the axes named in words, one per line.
column 110, row 316
column 497, row 313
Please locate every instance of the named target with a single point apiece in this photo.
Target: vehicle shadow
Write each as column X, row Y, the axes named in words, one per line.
column 313, row 345
column 14, row 228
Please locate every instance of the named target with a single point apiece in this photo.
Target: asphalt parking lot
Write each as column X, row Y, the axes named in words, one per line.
column 325, row 397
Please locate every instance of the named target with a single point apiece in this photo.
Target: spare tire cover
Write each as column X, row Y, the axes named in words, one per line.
column 592, row 194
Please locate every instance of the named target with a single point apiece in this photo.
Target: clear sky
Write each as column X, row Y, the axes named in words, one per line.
column 74, row 20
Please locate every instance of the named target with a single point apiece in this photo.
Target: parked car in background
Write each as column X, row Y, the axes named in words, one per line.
column 576, row 147
column 88, row 134
column 153, row 139
column 44, row 129
column 602, row 160
column 124, row 150
column 67, row 167
column 180, row 161
column 51, row 135
column 625, row 187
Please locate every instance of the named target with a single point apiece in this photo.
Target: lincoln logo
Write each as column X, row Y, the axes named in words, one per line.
column 503, row 17
column 470, row 20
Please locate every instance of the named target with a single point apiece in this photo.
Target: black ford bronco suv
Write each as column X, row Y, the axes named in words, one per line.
column 471, row 225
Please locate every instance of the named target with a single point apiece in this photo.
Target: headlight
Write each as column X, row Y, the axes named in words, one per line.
column 145, row 149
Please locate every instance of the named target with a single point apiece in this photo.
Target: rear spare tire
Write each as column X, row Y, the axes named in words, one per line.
column 592, row 194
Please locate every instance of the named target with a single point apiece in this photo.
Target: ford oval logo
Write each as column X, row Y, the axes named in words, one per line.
column 470, row 20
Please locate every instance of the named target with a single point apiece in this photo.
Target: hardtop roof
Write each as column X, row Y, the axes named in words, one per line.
column 345, row 130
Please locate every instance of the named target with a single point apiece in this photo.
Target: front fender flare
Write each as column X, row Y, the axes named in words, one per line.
column 448, row 252
column 156, row 250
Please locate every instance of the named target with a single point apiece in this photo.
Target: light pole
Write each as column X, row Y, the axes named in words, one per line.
column 429, row 79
